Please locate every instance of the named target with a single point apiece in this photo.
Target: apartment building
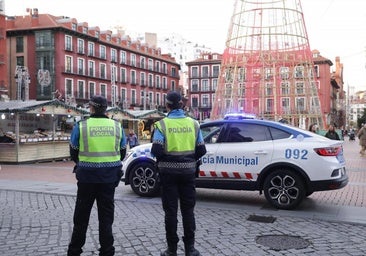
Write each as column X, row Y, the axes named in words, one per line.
column 203, row 76
column 66, row 59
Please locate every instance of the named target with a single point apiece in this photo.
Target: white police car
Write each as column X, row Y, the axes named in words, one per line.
column 285, row 162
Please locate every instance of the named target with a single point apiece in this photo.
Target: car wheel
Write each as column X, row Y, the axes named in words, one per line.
column 144, row 179
column 284, row 189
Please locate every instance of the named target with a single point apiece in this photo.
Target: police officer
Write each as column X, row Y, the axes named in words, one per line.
column 97, row 146
column 177, row 146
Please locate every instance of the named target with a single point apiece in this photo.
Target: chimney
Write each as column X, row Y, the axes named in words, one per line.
column 35, row 20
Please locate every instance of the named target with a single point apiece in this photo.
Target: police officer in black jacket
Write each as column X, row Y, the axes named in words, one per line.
column 178, row 145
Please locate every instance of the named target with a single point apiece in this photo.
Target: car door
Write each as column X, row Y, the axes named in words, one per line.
column 244, row 150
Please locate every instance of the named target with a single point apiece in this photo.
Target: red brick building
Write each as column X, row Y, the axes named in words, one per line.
column 203, row 75
column 69, row 60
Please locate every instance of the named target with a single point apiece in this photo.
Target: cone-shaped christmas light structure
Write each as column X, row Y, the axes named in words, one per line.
column 267, row 67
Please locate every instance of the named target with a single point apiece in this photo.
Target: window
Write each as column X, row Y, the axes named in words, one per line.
column 165, row 69
column 81, row 89
column 157, row 81
column 285, row 88
column 194, row 72
column 114, row 55
column 142, row 62
column 122, row 57
column 214, row 84
column 174, row 72
column 103, row 90
column 123, row 97
column 114, row 74
column 285, row 104
column 142, row 79
column 211, row 133
column 44, row 39
column 133, row 60
column 269, row 106
column 151, row 81
column 133, row 97
column 205, row 87
column 300, row 88
column 241, row 90
column 123, row 75
column 194, row 85
column 316, row 71
column 205, row 99
column 300, row 104
column 68, row 89
column 91, row 89
column 20, row 60
column 165, row 83
column 284, row 73
column 240, row 132
column 205, row 73
column 299, row 72
column 194, row 102
column 68, row 64
column 91, row 49
column 103, row 73
column 80, row 46
column 133, row 77
column 215, row 70
column 68, row 43
column 91, row 68
column 278, row 134
column 241, row 75
column 268, row 73
column 150, row 65
column 102, row 52
column 157, row 66
column 81, row 66
column 19, row 44
column 158, row 99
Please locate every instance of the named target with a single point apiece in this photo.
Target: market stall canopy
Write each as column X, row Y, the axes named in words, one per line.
column 55, row 107
column 120, row 114
column 146, row 114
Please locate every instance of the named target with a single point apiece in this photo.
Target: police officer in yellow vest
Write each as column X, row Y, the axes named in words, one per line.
column 178, row 145
column 97, row 146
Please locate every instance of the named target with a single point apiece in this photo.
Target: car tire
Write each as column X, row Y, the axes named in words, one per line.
column 144, row 179
column 284, row 189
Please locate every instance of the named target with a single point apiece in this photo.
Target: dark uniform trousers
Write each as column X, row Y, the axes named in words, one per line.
column 103, row 194
column 178, row 184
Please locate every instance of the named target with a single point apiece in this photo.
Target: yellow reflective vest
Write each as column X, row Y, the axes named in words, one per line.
column 99, row 140
column 180, row 135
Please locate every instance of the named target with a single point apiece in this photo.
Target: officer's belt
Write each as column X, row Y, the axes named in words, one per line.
column 176, row 165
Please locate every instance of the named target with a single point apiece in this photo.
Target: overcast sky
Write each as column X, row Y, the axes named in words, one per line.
column 335, row 27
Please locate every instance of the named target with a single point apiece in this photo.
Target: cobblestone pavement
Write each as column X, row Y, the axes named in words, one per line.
column 38, row 221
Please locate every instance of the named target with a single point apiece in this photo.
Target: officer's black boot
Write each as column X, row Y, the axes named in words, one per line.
column 170, row 251
column 189, row 247
column 191, row 251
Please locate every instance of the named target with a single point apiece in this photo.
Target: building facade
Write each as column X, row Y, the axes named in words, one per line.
column 69, row 60
column 203, row 76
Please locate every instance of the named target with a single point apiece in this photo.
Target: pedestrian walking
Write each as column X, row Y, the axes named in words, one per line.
column 97, row 146
column 362, row 139
column 132, row 140
column 332, row 134
column 178, row 146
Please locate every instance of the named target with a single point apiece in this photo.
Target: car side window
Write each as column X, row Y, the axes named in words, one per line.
column 278, row 134
column 243, row 132
column 211, row 133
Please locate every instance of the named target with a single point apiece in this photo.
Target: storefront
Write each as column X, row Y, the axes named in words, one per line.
column 35, row 131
